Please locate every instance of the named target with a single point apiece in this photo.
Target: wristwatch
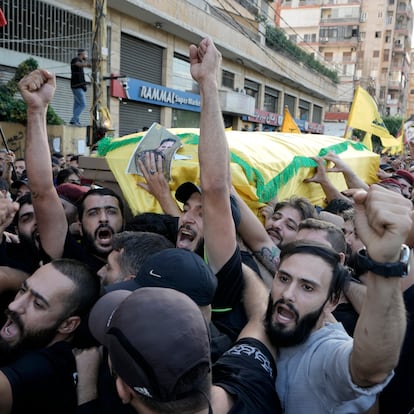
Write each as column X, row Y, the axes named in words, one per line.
column 397, row 269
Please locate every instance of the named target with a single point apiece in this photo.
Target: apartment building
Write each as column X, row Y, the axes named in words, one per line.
column 147, row 75
column 367, row 41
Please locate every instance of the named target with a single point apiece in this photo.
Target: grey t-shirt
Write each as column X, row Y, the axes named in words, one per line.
column 314, row 377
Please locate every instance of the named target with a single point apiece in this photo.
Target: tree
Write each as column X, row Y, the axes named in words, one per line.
column 14, row 110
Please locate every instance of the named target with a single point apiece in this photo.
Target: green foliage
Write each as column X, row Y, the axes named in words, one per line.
column 277, row 40
column 14, row 110
column 393, row 124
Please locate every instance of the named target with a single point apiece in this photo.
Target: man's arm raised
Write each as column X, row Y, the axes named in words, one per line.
column 383, row 219
column 37, row 90
column 213, row 153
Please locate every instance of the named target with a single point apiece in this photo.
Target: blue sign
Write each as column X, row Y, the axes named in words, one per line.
column 141, row 91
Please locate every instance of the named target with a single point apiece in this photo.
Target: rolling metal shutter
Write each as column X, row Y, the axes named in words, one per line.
column 133, row 116
column 62, row 102
column 139, row 60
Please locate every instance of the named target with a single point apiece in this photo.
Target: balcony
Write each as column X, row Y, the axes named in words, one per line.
column 333, row 20
column 338, row 41
column 339, row 2
column 395, row 86
column 404, row 10
column 237, row 103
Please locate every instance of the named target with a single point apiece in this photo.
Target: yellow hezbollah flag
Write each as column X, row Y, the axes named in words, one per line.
column 399, row 147
column 262, row 164
column 288, row 123
column 364, row 116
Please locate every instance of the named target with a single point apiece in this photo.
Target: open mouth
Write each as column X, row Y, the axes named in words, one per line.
column 185, row 237
column 10, row 330
column 104, row 235
column 284, row 315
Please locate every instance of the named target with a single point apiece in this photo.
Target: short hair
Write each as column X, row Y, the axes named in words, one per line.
column 64, row 174
column 338, row 205
column 166, row 140
column 87, row 286
column 334, row 235
column 163, row 224
column 301, row 204
column 340, row 273
column 137, row 246
column 104, row 191
column 24, row 199
column 348, row 214
column 81, row 50
column 57, row 155
column 194, row 402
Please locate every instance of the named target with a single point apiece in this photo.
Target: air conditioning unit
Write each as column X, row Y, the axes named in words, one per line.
column 324, row 39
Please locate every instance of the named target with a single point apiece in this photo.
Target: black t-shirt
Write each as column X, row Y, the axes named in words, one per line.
column 76, row 250
column 248, row 372
column 227, row 308
column 398, row 396
column 78, row 77
column 44, row 381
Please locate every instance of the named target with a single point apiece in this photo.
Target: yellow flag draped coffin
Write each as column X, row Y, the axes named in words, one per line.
column 263, row 164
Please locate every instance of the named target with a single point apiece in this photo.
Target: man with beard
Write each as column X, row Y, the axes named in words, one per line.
column 320, row 368
column 37, row 365
column 100, row 211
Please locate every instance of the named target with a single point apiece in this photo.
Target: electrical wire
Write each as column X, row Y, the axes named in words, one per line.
column 292, row 72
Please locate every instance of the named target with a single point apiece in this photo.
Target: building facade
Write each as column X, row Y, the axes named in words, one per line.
column 368, row 42
column 147, row 75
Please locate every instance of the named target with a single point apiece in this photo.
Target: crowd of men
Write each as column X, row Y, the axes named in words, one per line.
column 205, row 308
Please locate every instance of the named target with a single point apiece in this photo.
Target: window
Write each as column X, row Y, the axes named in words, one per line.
column 362, row 35
column 55, row 33
column 347, row 56
column 386, row 56
column 317, row 114
column 252, row 89
column 290, row 102
column 304, row 107
column 181, row 78
column 328, row 56
column 363, row 17
column 389, row 18
column 227, row 79
column 376, row 53
column 377, row 35
column 271, row 100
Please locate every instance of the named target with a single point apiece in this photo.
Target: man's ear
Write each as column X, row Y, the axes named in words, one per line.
column 69, row 325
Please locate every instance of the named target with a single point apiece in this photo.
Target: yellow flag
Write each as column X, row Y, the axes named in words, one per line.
column 288, row 123
column 364, row 116
column 367, row 141
column 398, row 149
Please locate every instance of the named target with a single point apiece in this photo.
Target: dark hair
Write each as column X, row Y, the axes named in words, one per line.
column 87, row 286
column 338, row 205
column 24, row 199
column 63, row 175
column 166, row 140
column 340, row 273
column 136, row 247
column 194, row 402
column 57, row 155
column 163, row 224
column 334, row 235
column 301, row 204
column 104, row 191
